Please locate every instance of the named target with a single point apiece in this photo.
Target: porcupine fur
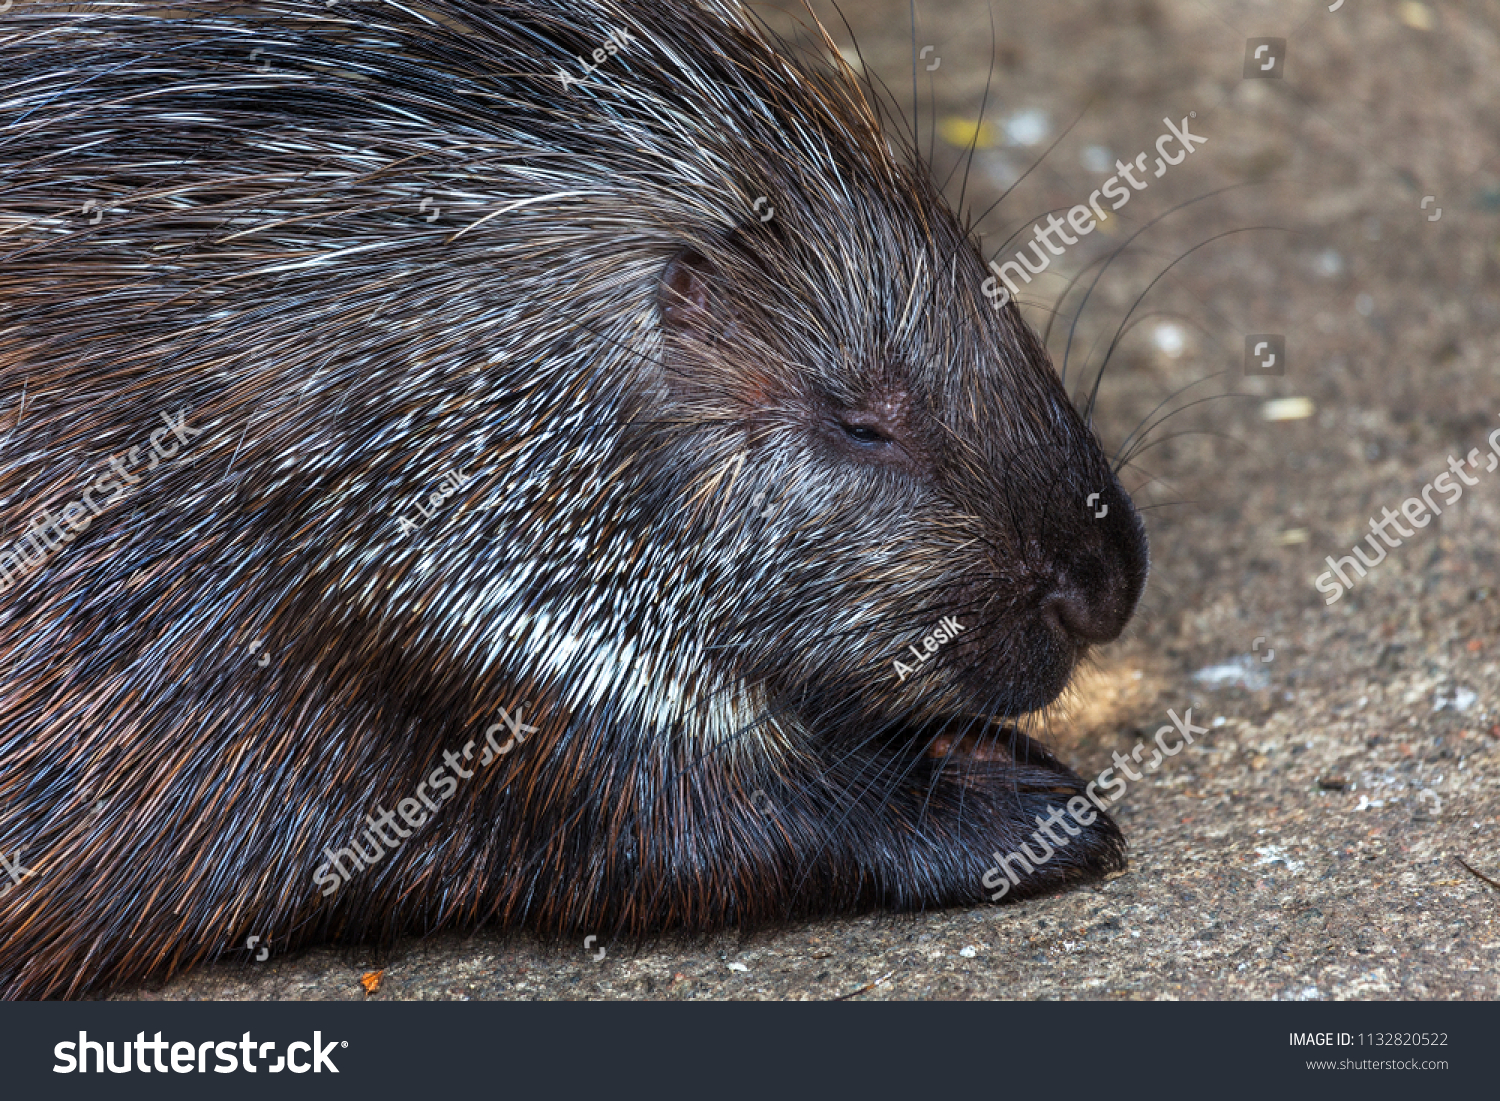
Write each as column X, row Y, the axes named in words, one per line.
column 720, row 469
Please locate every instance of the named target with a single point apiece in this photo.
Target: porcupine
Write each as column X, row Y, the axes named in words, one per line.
column 729, row 425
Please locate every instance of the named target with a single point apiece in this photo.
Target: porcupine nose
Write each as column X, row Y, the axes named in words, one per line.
column 1097, row 581
column 1083, row 619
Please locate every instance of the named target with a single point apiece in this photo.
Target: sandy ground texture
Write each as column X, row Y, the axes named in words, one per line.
column 1348, row 201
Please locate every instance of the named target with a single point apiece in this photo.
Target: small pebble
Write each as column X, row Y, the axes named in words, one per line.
column 1415, row 14
column 1287, row 409
column 1097, row 158
column 1027, row 127
column 1461, row 700
column 1170, row 339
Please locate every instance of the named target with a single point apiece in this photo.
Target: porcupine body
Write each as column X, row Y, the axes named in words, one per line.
column 583, row 388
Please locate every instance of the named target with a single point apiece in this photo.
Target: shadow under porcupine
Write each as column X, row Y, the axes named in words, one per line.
column 735, row 426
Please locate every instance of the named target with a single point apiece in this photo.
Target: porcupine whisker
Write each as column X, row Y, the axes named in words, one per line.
column 984, row 103
column 1094, row 392
column 868, row 739
column 1139, row 440
column 1168, row 504
column 1122, row 455
column 1142, row 320
column 1045, row 153
column 1120, row 250
column 852, row 804
column 1142, row 447
column 895, row 778
column 1056, row 309
column 931, row 103
column 1153, row 314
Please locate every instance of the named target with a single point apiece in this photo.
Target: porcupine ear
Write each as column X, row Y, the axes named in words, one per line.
column 688, row 294
column 695, row 294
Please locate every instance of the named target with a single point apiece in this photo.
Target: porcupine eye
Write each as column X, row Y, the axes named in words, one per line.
column 690, row 298
column 865, row 435
column 878, row 430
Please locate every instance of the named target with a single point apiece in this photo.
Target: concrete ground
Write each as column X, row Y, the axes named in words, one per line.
column 1307, row 846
